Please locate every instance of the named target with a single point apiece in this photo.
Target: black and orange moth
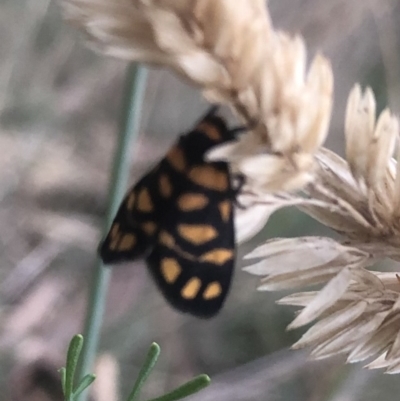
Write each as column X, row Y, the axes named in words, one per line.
column 180, row 218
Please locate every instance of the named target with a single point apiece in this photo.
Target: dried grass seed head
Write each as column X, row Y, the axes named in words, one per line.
column 365, row 188
column 232, row 52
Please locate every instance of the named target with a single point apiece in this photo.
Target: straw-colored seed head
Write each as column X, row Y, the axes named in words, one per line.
column 235, row 56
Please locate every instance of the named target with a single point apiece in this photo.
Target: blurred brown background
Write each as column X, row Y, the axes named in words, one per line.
column 59, row 107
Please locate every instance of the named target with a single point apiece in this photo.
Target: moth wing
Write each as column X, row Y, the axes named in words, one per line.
column 135, row 225
column 193, row 259
column 192, row 285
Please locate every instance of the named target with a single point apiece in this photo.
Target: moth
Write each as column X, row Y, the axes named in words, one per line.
column 180, row 218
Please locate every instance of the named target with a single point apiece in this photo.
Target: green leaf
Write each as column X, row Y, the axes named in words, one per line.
column 62, row 374
column 84, row 384
column 74, row 350
column 189, row 388
column 145, row 371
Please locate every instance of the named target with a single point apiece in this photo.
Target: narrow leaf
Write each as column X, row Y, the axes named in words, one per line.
column 189, row 388
column 63, row 374
column 84, row 384
column 145, row 371
column 74, row 350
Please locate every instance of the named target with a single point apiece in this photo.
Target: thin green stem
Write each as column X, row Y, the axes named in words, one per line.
column 128, row 132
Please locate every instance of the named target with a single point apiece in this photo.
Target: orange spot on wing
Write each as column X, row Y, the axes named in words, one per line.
column 225, row 210
column 217, row 256
column 145, row 203
column 166, row 239
column 114, row 230
column 210, row 130
column 212, row 291
column 128, row 241
column 197, row 234
column 191, row 288
column 170, row 270
column 165, row 186
column 114, row 236
column 149, row 227
column 176, row 158
column 131, row 201
column 209, row 177
column 192, row 201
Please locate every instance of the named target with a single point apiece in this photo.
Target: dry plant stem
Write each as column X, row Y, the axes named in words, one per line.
column 128, row 132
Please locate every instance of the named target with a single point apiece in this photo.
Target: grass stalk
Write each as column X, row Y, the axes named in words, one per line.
column 128, row 133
